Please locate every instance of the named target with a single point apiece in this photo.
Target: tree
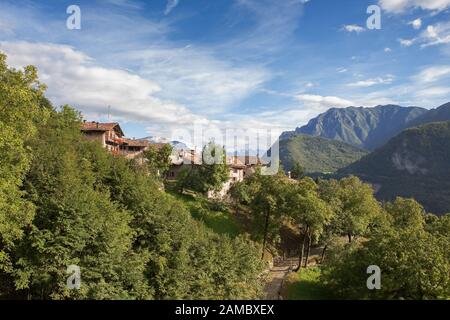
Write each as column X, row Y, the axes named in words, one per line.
column 355, row 206
column 159, row 159
column 208, row 176
column 267, row 203
column 406, row 214
column 214, row 171
column 415, row 263
column 297, row 171
column 22, row 107
column 75, row 222
column 309, row 211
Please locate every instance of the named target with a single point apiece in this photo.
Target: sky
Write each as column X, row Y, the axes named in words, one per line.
column 162, row 66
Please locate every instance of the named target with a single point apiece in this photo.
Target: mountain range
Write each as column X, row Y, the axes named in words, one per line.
column 410, row 150
column 177, row 145
column 368, row 128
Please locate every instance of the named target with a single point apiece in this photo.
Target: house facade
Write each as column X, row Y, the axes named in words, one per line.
column 111, row 137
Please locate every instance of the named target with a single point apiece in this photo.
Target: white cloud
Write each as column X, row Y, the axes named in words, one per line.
column 433, row 35
column 401, row 6
column 432, row 74
column 416, row 24
column 372, row 82
column 171, row 4
column 73, row 78
column 324, row 101
column 341, row 70
column 432, row 92
column 125, row 4
column 406, row 42
column 387, row 49
column 436, row 34
column 354, row 28
column 193, row 76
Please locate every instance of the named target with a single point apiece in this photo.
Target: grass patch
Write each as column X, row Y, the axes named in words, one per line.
column 306, row 285
column 213, row 214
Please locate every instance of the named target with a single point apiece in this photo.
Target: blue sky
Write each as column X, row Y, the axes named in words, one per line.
column 247, row 64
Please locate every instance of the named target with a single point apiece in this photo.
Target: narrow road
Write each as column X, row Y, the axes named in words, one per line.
column 276, row 277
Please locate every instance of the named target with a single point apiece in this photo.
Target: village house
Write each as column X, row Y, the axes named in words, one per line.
column 111, row 136
column 133, row 148
column 182, row 160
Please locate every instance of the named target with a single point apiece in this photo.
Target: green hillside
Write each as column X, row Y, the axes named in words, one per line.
column 413, row 164
column 317, row 154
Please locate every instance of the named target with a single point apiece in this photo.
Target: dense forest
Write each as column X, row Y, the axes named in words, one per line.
column 66, row 201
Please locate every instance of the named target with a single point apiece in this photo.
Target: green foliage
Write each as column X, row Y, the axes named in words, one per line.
column 75, row 223
column 307, row 285
column 414, row 262
column 208, row 176
column 315, row 154
column 306, row 208
column 65, row 200
column 297, row 171
column 213, row 213
column 355, row 206
column 22, row 108
column 132, row 241
column 159, row 159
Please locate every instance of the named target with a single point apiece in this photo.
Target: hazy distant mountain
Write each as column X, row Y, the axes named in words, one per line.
column 175, row 144
column 414, row 164
column 316, row 154
column 367, row 128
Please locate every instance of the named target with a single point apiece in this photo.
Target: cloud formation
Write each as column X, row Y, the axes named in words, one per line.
column 433, row 35
column 171, row 4
column 73, row 78
column 354, row 28
column 432, row 74
column 325, row 101
column 416, row 24
column 401, row 6
column 372, row 82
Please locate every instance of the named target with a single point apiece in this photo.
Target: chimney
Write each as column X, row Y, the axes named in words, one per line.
column 289, row 174
column 97, row 125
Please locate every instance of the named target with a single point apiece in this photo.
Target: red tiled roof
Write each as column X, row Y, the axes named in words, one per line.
column 98, row 126
column 136, row 143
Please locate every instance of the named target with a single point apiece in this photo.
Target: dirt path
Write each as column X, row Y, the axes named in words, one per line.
column 277, row 275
